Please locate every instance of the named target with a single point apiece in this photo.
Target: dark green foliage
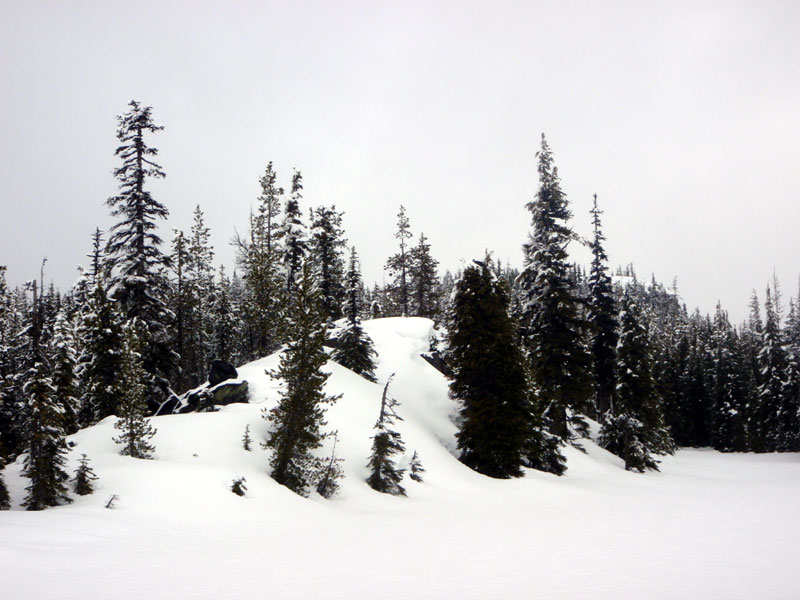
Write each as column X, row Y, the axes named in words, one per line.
column 399, row 266
column 765, row 423
column 139, row 282
column 327, row 244
column 84, row 476
column 553, row 326
column 634, row 427
column 246, row 440
column 624, row 435
column 729, row 387
column 384, row 476
column 354, row 348
column 294, row 236
column 135, row 431
column 46, row 448
column 5, row 499
column 238, row 486
column 65, row 363
column 102, row 358
column 332, row 473
column 489, row 378
column 260, row 259
column 603, row 320
column 423, row 280
column 298, row 418
column 415, row 468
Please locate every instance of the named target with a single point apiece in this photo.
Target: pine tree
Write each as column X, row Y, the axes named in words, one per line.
column 139, row 281
column 332, row 473
column 135, row 431
column 223, row 319
column 384, row 475
column 64, row 362
column 424, row 280
column 416, row 468
column 260, row 259
column 294, row 236
column 553, row 326
column 772, row 365
column 246, row 439
column 200, row 273
column 354, row 348
column 298, row 418
column 46, row 447
column 789, row 428
column 84, row 476
column 238, row 486
column 102, row 358
column 727, row 423
column 181, row 303
column 489, row 378
column 399, row 265
column 5, row 499
column 602, row 319
column 327, row 243
column 634, row 428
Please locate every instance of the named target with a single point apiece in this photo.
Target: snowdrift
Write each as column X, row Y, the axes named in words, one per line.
column 707, row 526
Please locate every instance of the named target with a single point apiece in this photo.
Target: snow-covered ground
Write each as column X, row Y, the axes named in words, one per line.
column 708, row 526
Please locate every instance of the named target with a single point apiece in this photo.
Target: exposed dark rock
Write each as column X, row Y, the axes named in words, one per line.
column 436, row 360
column 221, row 371
column 206, row 399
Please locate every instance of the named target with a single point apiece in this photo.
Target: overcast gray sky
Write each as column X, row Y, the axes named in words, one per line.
column 684, row 118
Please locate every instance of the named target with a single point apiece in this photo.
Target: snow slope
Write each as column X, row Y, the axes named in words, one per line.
column 708, row 526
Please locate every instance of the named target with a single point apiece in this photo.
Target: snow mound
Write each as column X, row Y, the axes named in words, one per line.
column 698, row 529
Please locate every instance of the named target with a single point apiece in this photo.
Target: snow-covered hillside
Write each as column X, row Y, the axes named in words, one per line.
column 708, row 526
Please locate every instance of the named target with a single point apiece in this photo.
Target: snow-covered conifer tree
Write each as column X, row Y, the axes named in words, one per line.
column 603, row 320
column 489, row 376
column 295, row 237
column 353, row 346
column 553, row 326
column 327, row 243
column 102, row 358
column 45, row 445
column 634, row 428
column 135, row 430
column 384, row 475
column 772, row 365
column 423, row 280
column 84, row 477
column 139, row 279
column 298, row 419
column 64, row 363
column 399, row 266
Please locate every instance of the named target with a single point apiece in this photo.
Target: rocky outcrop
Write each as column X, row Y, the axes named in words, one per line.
column 206, row 399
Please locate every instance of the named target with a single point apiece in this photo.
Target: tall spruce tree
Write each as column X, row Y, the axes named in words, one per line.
column 139, row 281
column 635, row 429
column 423, row 280
column 553, row 326
column 603, row 320
column 354, row 348
column 772, row 366
column 5, row 498
column 135, row 431
column 489, row 376
column 385, row 476
column 399, row 266
column 326, row 246
column 298, row 419
column 295, row 237
column 46, row 447
column 259, row 256
column 64, row 364
column 102, row 358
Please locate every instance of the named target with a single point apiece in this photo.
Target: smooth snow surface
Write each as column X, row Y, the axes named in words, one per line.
column 708, row 526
